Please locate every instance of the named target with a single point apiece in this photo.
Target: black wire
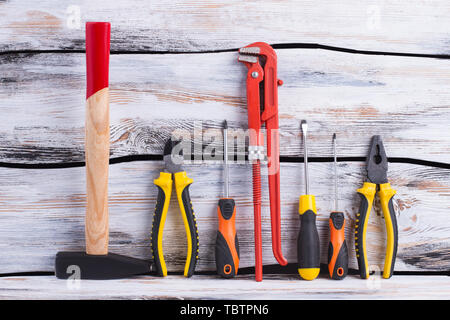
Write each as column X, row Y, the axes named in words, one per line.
column 279, row 46
column 153, row 157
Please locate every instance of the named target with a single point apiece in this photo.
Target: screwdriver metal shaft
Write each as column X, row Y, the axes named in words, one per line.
column 335, row 174
column 225, row 157
column 304, row 126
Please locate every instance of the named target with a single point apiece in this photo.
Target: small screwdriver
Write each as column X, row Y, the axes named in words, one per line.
column 227, row 244
column 308, row 245
column 337, row 247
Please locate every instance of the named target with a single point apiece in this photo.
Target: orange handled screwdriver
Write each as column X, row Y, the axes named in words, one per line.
column 227, row 245
column 337, row 247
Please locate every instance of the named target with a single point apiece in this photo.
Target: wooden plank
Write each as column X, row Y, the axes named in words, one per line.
column 42, row 212
column 404, row 99
column 243, row 287
column 420, row 26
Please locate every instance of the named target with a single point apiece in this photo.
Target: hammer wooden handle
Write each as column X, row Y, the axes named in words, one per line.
column 97, row 136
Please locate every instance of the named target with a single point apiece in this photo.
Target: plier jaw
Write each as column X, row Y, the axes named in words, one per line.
column 173, row 159
column 262, row 107
column 174, row 174
column 377, row 162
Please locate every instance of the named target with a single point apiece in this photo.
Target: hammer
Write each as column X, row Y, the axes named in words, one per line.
column 96, row 262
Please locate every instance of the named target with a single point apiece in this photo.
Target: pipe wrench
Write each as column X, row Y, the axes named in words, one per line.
column 262, row 105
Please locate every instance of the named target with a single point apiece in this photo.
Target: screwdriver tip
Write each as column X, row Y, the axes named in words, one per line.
column 225, row 124
column 304, row 125
column 334, row 136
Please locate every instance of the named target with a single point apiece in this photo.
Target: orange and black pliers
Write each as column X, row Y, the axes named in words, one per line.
column 173, row 169
column 377, row 167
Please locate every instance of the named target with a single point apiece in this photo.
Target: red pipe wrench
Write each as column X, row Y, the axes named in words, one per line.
column 262, row 105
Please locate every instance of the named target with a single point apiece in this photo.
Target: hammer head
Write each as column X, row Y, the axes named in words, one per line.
column 80, row 265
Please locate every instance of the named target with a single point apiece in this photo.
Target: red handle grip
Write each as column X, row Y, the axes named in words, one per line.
column 97, row 56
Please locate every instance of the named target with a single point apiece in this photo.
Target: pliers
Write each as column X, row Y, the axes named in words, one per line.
column 262, row 107
column 377, row 167
column 173, row 168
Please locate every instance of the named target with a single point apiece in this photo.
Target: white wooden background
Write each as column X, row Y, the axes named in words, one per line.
column 173, row 65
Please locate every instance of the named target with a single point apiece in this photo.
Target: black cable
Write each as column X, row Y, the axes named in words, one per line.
column 279, row 46
column 157, row 157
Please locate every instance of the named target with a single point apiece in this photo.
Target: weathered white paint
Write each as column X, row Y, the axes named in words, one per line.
column 356, row 96
column 418, row 26
column 42, row 212
column 404, row 99
column 242, row 287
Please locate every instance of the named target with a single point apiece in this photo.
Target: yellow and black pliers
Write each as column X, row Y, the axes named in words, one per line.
column 377, row 167
column 174, row 173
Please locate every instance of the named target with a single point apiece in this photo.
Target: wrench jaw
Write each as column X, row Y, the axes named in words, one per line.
column 247, row 58
column 262, row 91
column 262, row 106
column 249, row 54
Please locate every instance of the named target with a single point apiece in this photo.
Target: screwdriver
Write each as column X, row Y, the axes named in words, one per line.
column 337, row 247
column 227, row 244
column 308, row 246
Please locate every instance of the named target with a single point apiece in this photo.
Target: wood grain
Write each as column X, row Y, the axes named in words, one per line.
column 97, row 168
column 405, row 99
column 243, row 287
column 51, row 216
column 356, row 96
column 420, row 26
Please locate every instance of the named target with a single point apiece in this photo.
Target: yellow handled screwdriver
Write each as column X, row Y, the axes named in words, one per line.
column 308, row 245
